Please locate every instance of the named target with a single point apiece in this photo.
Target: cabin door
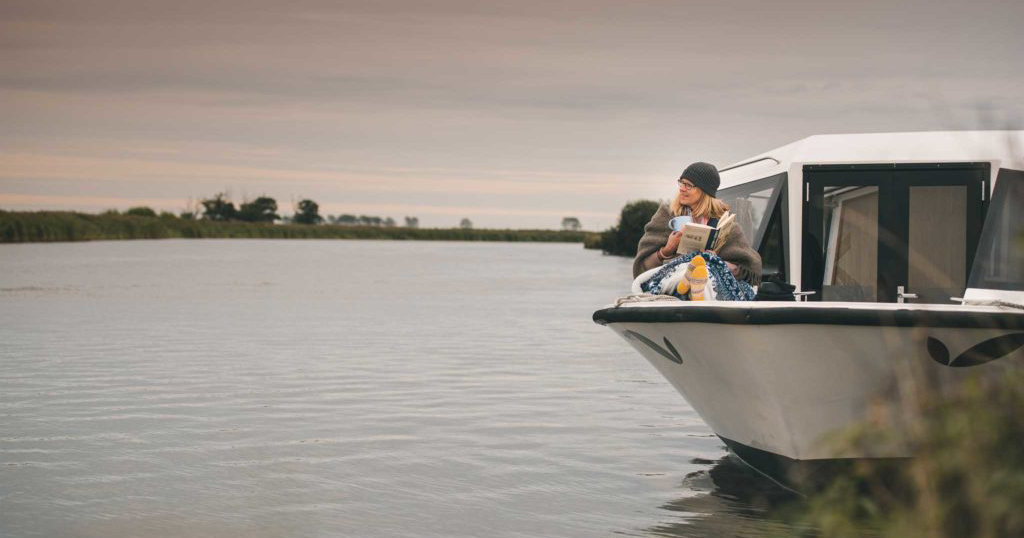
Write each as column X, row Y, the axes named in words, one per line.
column 870, row 231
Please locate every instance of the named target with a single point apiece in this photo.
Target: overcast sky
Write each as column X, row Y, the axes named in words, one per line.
column 513, row 114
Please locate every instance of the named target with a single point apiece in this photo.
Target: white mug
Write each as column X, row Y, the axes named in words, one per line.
column 677, row 223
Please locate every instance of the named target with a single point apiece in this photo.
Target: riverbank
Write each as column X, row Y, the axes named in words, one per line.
column 52, row 226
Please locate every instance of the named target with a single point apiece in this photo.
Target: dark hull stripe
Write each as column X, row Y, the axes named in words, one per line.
column 801, row 476
column 754, row 315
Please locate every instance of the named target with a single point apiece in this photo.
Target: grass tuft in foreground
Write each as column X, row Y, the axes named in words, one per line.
column 967, row 479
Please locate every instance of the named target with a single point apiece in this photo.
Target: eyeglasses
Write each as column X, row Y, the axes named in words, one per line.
column 685, row 185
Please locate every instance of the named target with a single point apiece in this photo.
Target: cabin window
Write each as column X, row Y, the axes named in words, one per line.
column 999, row 263
column 936, row 235
column 851, row 255
column 758, row 209
column 773, row 255
column 871, row 229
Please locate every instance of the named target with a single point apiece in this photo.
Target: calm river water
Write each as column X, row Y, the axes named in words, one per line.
column 342, row 388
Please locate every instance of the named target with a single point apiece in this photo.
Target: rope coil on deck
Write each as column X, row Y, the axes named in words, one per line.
column 643, row 298
column 988, row 302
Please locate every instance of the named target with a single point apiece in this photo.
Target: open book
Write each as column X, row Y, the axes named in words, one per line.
column 700, row 237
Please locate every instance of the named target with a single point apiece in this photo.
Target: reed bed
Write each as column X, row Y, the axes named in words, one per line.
column 51, row 226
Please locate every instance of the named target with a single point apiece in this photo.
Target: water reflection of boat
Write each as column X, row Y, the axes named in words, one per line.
column 908, row 245
column 727, row 499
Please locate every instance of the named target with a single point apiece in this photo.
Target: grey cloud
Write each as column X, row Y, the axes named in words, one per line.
column 579, row 86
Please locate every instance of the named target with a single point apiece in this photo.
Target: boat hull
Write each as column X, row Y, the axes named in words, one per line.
column 781, row 380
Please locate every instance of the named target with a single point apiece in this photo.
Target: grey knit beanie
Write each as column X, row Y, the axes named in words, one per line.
column 703, row 175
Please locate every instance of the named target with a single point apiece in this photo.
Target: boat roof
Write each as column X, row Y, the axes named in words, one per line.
column 1004, row 149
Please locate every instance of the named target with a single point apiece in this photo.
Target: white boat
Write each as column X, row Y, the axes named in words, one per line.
column 906, row 250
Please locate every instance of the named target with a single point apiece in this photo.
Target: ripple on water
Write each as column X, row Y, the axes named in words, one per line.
column 261, row 388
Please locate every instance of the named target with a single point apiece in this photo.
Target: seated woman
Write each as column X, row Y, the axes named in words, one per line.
column 734, row 265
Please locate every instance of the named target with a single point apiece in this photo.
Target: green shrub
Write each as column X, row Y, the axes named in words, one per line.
column 622, row 239
column 966, row 480
column 141, row 211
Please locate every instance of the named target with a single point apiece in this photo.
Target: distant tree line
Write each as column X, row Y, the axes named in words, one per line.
column 144, row 223
column 368, row 220
column 263, row 209
column 211, row 217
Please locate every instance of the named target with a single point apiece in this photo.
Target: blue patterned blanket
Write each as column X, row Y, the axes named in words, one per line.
column 726, row 287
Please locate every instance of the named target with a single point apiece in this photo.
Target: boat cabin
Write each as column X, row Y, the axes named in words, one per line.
column 895, row 217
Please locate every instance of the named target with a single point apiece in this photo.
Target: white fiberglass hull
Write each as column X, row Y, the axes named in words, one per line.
column 779, row 378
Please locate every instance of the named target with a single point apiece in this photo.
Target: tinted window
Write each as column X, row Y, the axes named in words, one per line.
column 751, row 203
column 851, row 250
column 999, row 263
column 773, row 256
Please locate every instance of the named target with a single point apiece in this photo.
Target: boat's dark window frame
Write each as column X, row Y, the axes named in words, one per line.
column 892, row 206
column 777, row 226
column 1007, row 199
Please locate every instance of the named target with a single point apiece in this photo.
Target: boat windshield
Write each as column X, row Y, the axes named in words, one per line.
column 999, row 263
column 751, row 203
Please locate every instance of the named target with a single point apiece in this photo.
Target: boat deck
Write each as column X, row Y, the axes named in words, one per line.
column 814, row 313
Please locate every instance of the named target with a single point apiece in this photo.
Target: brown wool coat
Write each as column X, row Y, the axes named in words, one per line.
column 736, row 249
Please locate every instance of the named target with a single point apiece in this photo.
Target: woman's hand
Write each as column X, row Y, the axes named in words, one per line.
column 669, row 250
